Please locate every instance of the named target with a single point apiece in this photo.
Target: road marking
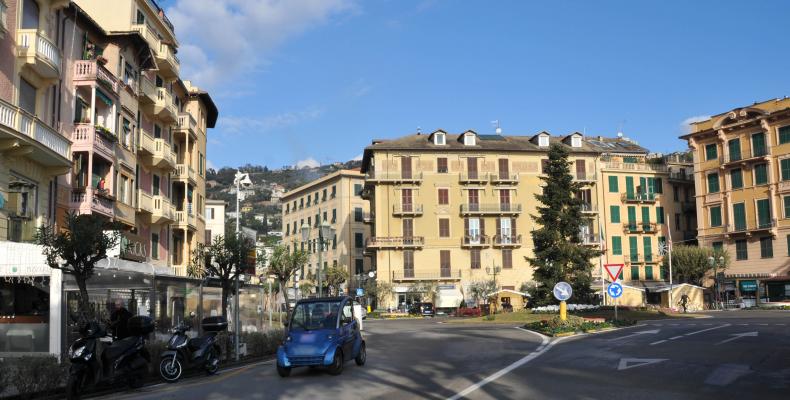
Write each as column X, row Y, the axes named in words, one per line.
column 658, row 342
column 705, row 330
column 676, row 337
column 780, row 324
column 652, row 332
column 763, row 324
column 708, row 324
column 637, row 362
column 726, row 374
column 544, row 347
column 743, row 324
column 736, row 336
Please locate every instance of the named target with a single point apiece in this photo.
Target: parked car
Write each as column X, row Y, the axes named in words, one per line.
column 424, row 309
column 322, row 332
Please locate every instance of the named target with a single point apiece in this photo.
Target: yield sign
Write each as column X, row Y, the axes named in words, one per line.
column 613, row 270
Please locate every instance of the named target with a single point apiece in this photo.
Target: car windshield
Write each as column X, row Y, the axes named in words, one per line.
column 315, row 315
column 427, row 306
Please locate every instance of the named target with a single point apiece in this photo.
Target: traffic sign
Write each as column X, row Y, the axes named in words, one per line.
column 562, row 291
column 614, row 290
column 614, row 270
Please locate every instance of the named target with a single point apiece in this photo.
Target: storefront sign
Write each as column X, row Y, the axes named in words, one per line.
column 133, row 247
column 748, row 286
column 25, row 270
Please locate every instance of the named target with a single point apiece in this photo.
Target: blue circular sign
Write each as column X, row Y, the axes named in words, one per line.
column 614, row 290
column 562, row 291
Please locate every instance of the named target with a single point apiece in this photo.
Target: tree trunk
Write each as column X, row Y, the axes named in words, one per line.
column 225, row 296
column 285, row 294
column 85, row 312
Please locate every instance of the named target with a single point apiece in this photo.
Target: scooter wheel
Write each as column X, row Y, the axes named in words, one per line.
column 212, row 362
column 170, row 369
column 73, row 387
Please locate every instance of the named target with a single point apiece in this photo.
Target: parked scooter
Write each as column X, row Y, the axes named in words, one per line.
column 201, row 352
column 96, row 358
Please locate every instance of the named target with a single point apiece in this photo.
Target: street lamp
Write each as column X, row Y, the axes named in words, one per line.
column 715, row 263
column 494, row 270
column 325, row 231
column 240, row 179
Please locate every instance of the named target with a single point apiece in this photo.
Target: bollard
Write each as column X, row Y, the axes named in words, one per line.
column 563, row 311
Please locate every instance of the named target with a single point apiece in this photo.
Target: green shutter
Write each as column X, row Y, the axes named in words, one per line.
column 647, row 244
column 736, row 178
column 659, row 186
column 663, row 272
column 631, row 217
column 660, row 215
column 713, row 183
column 643, row 185
column 629, row 187
column 735, row 149
column 615, row 211
column 634, row 273
column 649, row 272
column 760, row 174
column 739, row 214
column 715, row 216
column 758, row 144
column 617, row 246
column 710, row 152
column 788, row 245
column 785, row 169
column 787, row 206
column 613, row 187
column 646, row 218
column 767, row 247
column 763, row 213
column 784, row 134
column 633, row 248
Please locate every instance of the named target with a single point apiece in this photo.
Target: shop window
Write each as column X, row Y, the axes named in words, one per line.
column 24, row 309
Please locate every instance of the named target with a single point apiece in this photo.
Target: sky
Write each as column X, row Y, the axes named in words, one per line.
column 302, row 82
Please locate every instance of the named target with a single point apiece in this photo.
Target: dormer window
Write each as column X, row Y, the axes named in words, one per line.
column 440, row 139
column 543, row 141
column 470, row 140
column 576, row 141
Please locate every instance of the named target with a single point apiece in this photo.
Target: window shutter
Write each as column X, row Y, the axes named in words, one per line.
column 513, row 227
column 482, row 227
column 499, row 225
column 466, row 226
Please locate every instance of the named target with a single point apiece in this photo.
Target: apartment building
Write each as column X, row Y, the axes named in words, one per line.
column 215, row 219
column 337, row 200
column 742, row 180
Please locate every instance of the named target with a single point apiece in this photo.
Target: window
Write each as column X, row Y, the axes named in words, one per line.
column 766, row 247
column 675, row 193
column 649, row 272
column 576, row 141
column 140, row 17
column 739, row 214
column 359, row 241
column 713, row 182
column 659, row 215
column 613, row 187
column 444, row 263
column 123, row 190
column 647, row 245
column 634, row 273
column 717, row 246
column 784, row 169
column 617, row 246
column 788, row 245
column 359, row 266
column 544, row 166
column 787, row 206
column 474, row 256
column 543, row 141
column 761, row 174
column 334, row 215
column 633, row 248
column 758, row 144
column 323, row 195
column 677, row 220
column 507, row 258
column 736, row 178
column 126, row 133
column 154, row 246
column 27, row 95
column 615, row 211
column 155, row 185
column 741, row 252
column 358, row 189
column 444, row 227
column 710, row 152
column 763, row 213
column 441, row 165
column 734, row 147
column 784, row 134
column 129, row 74
column 715, row 216
column 29, row 15
column 444, row 196
column 200, row 164
column 207, row 239
column 439, row 139
column 357, row 214
column 334, row 192
column 408, row 263
column 470, row 140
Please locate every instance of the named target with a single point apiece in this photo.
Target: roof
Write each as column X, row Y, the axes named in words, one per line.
column 353, row 173
column 500, row 143
column 212, row 112
column 323, row 299
column 758, row 109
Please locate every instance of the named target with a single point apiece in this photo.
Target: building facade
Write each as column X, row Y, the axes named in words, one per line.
column 335, row 199
column 215, row 219
column 742, row 180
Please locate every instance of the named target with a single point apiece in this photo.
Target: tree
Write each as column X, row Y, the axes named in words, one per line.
column 335, row 277
column 559, row 253
column 379, row 290
column 284, row 265
column 480, row 291
column 690, row 264
column 306, row 288
column 76, row 249
column 224, row 259
column 426, row 290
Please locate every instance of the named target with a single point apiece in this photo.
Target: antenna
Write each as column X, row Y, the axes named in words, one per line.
column 620, row 129
column 419, row 130
column 498, row 129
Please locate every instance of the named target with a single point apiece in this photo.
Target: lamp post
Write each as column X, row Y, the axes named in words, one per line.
column 715, row 263
column 494, row 270
column 240, row 179
column 324, row 232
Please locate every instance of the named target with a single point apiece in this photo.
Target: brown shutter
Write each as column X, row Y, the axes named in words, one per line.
column 504, row 172
column 405, row 167
column 499, row 227
column 580, row 169
column 466, row 226
column 513, row 227
column 471, row 167
column 482, row 228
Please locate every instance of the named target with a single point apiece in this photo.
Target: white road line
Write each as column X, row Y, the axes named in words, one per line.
column 658, row 342
column 763, row 324
column 705, row 330
column 708, row 324
column 780, row 324
column 743, row 324
column 544, row 347
column 676, row 337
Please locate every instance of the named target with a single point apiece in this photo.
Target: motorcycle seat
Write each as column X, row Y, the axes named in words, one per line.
column 117, row 347
column 197, row 343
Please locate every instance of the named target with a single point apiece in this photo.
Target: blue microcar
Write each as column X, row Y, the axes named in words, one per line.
column 322, row 332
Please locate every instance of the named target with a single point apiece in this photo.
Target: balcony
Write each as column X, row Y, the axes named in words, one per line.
column 504, row 179
column 394, row 177
column 744, row 228
column 367, row 217
column 412, row 210
column 145, row 202
column 634, row 258
column 186, row 220
column 475, row 242
column 621, row 166
column 166, row 60
column 148, row 34
column 162, row 210
column 490, row 209
column 92, row 71
column 395, row 242
column 164, row 108
column 163, row 156
column 88, row 200
column 442, row 275
column 473, row 178
column 507, row 241
column 38, row 52
column 639, row 197
column 186, row 123
column 49, row 147
column 87, row 137
column 21, row 229
column 124, row 213
column 744, row 157
column 585, row 177
column 590, row 239
column 640, row 227
column 589, row 208
column 185, row 172
column 147, row 92
column 682, row 177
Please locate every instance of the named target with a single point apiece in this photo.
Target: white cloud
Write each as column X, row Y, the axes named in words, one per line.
column 222, row 40
column 210, row 165
column 309, row 162
column 240, row 124
column 686, row 123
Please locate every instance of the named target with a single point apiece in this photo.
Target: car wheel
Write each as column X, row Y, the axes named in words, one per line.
column 337, row 364
column 283, row 371
column 361, row 356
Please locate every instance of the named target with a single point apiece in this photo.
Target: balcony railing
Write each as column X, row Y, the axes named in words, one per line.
column 475, row 209
column 144, row 202
column 621, row 166
column 410, row 275
column 185, row 218
column 148, row 34
column 164, row 106
column 639, row 197
column 407, row 209
column 367, row 217
column 590, row 239
column 395, row 242
column 501, row 178
column 90, row 70
column 475, row 241
column 746, row 155
column 186, row 122
column 87, row 137
column 743, row 226
column 394, row 176
column 184, row 171
column 681, row 176
column 590, row 177
column 147, row 93
column 507, row 240
column 89, row 200
column 40, row 52
column 30, row 126
column 163, row 155
column 167, row 61
column 589, row 208
column 473, row 177
column 163, row 210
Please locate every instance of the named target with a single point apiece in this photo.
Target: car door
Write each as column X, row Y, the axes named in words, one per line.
column 347, row 330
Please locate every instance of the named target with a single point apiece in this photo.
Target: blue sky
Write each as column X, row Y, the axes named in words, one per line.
column 297, row 80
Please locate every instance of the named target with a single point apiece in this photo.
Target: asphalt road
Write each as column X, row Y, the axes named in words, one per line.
column 738, row 355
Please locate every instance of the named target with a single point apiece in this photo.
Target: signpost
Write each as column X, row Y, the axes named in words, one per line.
column 563, row 291
column 615, row 290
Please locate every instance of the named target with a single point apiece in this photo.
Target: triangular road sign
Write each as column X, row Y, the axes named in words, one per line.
column 613, row 270
column 626, row 363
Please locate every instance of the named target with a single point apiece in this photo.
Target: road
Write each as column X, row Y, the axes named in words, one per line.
column 730, row 355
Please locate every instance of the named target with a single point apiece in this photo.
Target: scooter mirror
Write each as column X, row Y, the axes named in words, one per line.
column 192, row 314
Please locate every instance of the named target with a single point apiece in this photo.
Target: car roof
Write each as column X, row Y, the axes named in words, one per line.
column 323, row 299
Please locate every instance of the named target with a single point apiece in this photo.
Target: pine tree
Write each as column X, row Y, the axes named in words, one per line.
column 559, row 254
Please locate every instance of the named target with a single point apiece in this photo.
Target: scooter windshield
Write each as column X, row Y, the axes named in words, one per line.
column 315, row 315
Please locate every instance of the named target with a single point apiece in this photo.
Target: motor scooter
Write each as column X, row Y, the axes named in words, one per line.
column 201, row 352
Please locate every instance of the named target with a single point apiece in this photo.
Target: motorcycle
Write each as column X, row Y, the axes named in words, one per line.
column 96, row 358
column 201, row 352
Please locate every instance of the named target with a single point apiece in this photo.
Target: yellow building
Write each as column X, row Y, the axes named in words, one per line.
column 334, row 199
column 742, row 179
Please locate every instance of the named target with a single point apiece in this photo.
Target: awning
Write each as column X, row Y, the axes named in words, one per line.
column 103, row 97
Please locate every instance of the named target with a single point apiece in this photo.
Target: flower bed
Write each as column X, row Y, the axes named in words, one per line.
column 553, row 309
column 557, row 327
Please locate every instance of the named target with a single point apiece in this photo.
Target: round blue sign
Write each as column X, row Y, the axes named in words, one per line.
column 562, row 291
column 614, row 290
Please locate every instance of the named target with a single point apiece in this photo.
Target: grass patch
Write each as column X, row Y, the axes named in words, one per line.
column 554, row 326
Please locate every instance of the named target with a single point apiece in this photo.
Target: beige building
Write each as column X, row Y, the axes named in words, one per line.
column 742, row 179
column 336, row 199
column 215, row 219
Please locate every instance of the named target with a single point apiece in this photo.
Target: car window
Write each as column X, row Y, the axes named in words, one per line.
column 315, row 315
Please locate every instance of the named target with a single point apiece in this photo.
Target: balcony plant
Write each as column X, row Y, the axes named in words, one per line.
column 106, row 133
